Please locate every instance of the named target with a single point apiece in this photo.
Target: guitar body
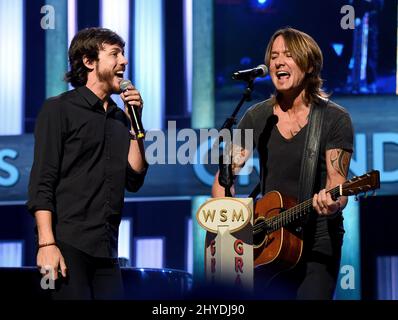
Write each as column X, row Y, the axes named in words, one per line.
column 280, row 250
column 277, row 235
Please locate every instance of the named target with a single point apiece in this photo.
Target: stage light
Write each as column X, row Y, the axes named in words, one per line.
column 259, row 5
column 12, row 67
column 338, row 48
column 188, row 51
column 56, row 47
column 189, row 246
column 149, row 252
column 350, row 259
column 149, row 60
column 114, row 15
column 72, row 20
column 125, row 239
column 11, row 253
column 387, row 278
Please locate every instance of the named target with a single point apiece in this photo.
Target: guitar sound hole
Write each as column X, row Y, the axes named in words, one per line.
column 258, row 238
column 260, row 233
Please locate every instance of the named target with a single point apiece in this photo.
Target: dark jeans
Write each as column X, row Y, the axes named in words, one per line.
column 88, row 277
column 315, row 276
column 309, row 280
column 319, row 282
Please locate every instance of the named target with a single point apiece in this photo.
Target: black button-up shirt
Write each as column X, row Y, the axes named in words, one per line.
column 80, row 170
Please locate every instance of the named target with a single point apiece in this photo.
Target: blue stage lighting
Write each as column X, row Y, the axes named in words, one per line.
column 260, row 4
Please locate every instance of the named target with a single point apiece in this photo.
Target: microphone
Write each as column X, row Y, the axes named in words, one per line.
column 133, row 112
column 251, row 74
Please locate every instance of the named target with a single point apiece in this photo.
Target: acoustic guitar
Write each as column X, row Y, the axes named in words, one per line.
column 277, row 233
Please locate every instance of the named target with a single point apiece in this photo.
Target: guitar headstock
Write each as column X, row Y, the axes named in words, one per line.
column 364, row 183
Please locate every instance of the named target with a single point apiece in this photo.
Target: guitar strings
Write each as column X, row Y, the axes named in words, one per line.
column 287, row 216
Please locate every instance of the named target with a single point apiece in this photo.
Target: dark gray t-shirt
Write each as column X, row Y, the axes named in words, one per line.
column 280, row 158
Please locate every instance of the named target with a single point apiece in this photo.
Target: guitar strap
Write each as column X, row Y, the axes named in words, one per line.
column 310, row 157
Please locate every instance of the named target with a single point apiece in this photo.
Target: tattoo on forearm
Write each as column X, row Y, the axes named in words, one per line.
column 340, row 161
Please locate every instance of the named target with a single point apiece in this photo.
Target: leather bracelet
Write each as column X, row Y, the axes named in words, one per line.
column 46, row 244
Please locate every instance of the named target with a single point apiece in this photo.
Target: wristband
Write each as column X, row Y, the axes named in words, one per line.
column 46, row 244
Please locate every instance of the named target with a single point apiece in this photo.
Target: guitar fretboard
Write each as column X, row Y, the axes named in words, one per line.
column 290, row 215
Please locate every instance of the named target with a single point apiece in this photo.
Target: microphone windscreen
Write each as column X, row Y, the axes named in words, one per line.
column 124, row 84
column 264, row 68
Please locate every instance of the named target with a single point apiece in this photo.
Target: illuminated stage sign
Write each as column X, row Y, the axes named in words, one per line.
column 375, row 147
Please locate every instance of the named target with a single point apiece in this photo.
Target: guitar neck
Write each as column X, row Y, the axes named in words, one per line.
column 356, row 185
column 297, row 212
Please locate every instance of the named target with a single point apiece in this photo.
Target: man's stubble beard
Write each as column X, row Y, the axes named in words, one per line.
column 108, row 78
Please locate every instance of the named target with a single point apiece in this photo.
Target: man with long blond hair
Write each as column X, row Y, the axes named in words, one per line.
column 295, row 61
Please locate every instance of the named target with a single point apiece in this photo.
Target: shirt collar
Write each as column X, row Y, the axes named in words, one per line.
column 93, row 101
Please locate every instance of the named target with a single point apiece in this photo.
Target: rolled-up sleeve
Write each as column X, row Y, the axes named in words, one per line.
column 134, row 179
column 44, row 174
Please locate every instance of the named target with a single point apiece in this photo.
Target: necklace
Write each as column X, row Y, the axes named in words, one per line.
column 294, row 125
column 293, row 133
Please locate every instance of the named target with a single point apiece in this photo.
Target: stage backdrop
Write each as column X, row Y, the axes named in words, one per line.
column 375, row 122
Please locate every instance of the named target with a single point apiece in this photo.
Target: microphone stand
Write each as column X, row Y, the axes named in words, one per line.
column 225, row 178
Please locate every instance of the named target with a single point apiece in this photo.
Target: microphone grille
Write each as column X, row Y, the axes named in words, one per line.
column 124, row 84
column 264, row 69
